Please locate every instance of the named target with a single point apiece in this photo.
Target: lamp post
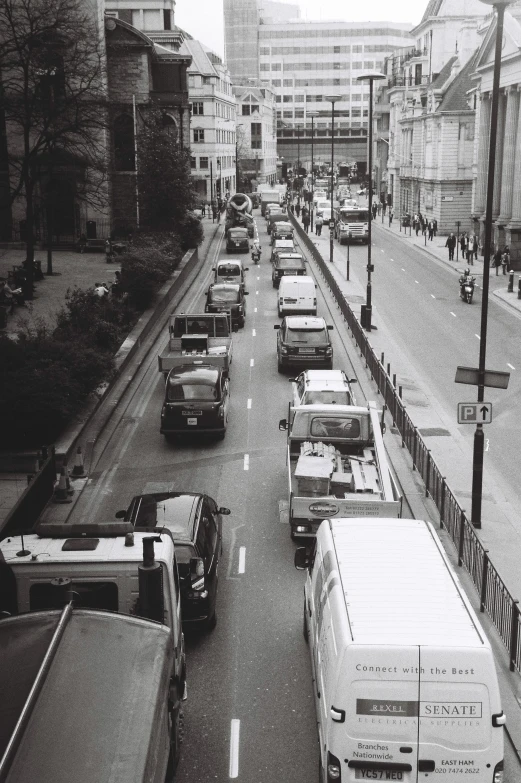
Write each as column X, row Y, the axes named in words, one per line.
column 332, row 99
column 298, row 160
column 312, row 114
column 370, row 76
column 479, row 436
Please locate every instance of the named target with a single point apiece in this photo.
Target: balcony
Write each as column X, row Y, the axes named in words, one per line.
column 408, row 81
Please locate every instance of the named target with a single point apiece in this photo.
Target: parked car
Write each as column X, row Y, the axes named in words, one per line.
column 197, row 401
column 303, row 340
column 287, row 264
column 273, row 209
column 229, row 297
column 195, row 522
column 323, row 387
column 228, row 270
column 238, row 240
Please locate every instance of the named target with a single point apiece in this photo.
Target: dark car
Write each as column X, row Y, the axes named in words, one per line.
column 228, row 270
column 281, row 230
column 237, row 240
column 276, row 217
column 230, row 297
column 287, row 264
column 283, row 246
column 197, row 400
column 195, row 522
column 303, row 340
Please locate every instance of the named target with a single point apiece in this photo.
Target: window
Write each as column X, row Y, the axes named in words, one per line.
column 287, row 82
column 124, row 159
column 288, row 99
column 203, row 163
column 287, row 114
column 275, row 82
column 198, row 135
column 87, row 595
column 198, row 107
column 193, row 162
column 276, row 66
column 277, row 99
column 245, row 109
column 299, row 113
column 169, row 126
column 167, row 20
column 299, row 99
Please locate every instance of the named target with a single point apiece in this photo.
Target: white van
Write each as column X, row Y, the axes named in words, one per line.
column 297, row 294
column 403, row 675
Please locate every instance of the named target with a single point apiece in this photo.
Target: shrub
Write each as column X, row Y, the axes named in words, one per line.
column 190, row 231
column 142, row 273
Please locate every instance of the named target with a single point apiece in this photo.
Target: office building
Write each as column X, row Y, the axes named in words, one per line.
column 256, row 136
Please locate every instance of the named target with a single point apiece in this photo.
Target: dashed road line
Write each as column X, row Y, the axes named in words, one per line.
column 433, row 296
column 454, row 314
column 253, row 333
column 252, row 362
column 417, row 282
column 254, row 309
column 234, row 748
column 511, row 366
column 249, row 403
column 246, row 462
column 242, row 560
column 477, row 335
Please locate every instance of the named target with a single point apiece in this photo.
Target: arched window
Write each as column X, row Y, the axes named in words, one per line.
column 124, row 159
column 170, row 127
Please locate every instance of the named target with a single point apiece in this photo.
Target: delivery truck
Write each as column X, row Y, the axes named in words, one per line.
column 197, row 338
column 404, row 679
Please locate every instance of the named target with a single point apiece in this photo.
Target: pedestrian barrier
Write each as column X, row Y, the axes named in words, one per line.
column 495, row 598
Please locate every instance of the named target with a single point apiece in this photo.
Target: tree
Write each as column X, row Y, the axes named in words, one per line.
column 165, row 185
column 52, row 97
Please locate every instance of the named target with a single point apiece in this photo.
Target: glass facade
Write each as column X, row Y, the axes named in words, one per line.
column 241, row 39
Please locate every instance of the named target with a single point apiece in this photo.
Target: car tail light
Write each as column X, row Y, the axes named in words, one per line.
column 498, row 773
column 334, row 771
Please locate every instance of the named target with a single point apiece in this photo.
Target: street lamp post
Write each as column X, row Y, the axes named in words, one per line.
column 333, row 99
column 312, row 114
column 479, row 436
column 298, row 161
column 370, row 76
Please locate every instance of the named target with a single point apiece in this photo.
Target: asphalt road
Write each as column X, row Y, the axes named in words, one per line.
column 250, row 712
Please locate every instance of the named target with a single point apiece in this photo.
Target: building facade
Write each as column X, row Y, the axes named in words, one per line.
column 256, row 137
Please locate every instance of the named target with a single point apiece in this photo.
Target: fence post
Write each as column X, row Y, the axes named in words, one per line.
column 461, row 537
column 514, row 633
column 442, row 502
column 484, row 579
column 428, row 476
column 414, row 448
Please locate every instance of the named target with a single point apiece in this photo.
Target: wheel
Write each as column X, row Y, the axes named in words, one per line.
column 211, row 622
column 274, row 284
column 176, row 728
column 242, row 322
column 220, row 435
column 279, row 313
column 280, row 366
column 169, row 437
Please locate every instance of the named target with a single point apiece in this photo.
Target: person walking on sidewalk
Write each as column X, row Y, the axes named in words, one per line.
column 297, row 209
column 373, row 209
column 505, row 259
column 318, row 225
column 430, row 228
column 451, row 244
column 463, row 245
column 305, row 219
column 496, row 261
column 435, row 225
column 475, row 246
column 391, row 215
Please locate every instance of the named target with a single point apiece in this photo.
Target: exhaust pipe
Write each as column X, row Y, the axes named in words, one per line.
column 151, row 604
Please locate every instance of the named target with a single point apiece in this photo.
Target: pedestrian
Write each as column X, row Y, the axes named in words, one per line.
column 384, row 207
column 496, row 261
column 475, row 246
column 391, row 215
column 430, row 228
column 318, row 225
column 297, row 209
column 435, row 225
column 292, row 209
column 108, row 251
column 373, row 209
column 379, row 207
column 101, row 290
column 423, row 224
column 463, row 245
column 451, row 244
column 505, row 259
column 417, row 224
column 305, row 221
column 203, row 208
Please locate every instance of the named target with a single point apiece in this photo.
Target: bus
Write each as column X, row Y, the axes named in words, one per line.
column 352, row 223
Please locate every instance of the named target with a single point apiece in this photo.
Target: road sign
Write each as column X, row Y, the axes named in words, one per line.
column 496, row 379
column 474, row 412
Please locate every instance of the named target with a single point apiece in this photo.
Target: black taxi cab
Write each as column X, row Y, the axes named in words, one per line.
column 230, row 297
column 197, row 401
column 287, row 264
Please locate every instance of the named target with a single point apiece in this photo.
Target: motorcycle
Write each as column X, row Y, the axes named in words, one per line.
column 467, row 290
column 256, row 256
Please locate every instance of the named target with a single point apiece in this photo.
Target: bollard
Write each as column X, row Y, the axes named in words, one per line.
column 382, row 359
column 510, row 288
column 388, row 368
column 400, row 388
column 519, row 288
column 394, row 380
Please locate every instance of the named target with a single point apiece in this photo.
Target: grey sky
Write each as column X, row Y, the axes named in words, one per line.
column 204, row 18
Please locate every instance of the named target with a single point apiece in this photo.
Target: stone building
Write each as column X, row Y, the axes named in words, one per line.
column 256, row 136
column 506, row 209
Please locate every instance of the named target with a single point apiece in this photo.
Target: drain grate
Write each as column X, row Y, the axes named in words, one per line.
column 434, row 431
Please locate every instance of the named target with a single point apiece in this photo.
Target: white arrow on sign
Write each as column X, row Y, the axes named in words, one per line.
column 474, row 412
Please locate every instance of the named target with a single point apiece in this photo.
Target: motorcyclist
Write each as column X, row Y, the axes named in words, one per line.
column 466, row 279
column 256, row 251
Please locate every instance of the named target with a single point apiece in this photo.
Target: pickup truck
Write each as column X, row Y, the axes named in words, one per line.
column 337, row 466
column 198, row 338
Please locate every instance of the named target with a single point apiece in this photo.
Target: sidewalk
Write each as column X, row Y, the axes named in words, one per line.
column 70, row 269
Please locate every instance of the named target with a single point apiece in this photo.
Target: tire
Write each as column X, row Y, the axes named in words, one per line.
column 169, row 437
column 241, row 323
column 211, row 622
column 221, row 435
column 280, row 367
column 175, row 742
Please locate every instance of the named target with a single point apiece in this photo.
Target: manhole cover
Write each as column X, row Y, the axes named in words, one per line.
column 434, row 431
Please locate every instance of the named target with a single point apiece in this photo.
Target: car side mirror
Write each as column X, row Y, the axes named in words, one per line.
column 330, row 327
column 302, row 558
column 213, row 269
column 246, row 268
column 246, row 293
column 292, row 380
column 224, row 511
column 120, row 514
column 276, row 326
column 353, row 380
column 283, row 425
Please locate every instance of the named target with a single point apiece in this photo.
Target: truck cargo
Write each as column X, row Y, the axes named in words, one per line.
column 337, row 466
column 93, row 700
column 239, row 213
column 198, row 338
column 404, row 678
column 270, row 197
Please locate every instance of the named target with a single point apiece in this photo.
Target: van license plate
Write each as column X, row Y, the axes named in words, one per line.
column 191, row 422
column 306, row 350
column 378, row 774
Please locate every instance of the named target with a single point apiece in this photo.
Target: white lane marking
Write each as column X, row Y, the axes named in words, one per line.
column 403, row 270
column 382, row 251
column 391, row 259
column 254, row 309
column 417, row 282
column 252, row 362
column 249, row 402
column 242, row 559
column 234, row 748
column 256, row 292
column 511, row 366
column 253, row 333
column 433, row 296
column 258, row 278
column 246, row 462
column 477, row 335
column 454, row 314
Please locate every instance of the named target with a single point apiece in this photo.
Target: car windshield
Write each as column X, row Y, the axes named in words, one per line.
column 191, row 391
column 224, row 295
column 225, row 270
column 237, row 233
column 307, row 336
column 286, row 263
column 327, row 397
column 340, row 427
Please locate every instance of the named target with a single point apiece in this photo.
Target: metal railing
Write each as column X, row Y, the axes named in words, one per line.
column 495, row 598
column 33, row 500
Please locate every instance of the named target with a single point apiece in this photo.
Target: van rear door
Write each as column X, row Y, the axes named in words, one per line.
column 456, row 731
column 373, row 724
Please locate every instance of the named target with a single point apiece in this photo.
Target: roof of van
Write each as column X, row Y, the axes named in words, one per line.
column 399, row 587
column 96, row 716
